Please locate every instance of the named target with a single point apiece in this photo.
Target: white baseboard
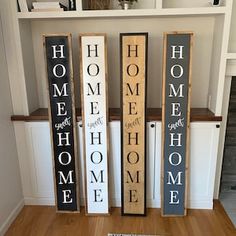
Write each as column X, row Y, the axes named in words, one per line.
column 116, row 202
column 44, row 201
column 4, row 227
column 47, row 201
column 201, row 204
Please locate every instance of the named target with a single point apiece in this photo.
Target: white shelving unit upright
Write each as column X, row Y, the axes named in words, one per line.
column 211, row 26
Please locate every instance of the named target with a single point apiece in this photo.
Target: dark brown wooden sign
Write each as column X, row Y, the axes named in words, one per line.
column 133, row 123
column 176, row 121
column 62, row 116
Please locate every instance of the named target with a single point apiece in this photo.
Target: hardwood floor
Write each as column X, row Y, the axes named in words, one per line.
column 43, row 221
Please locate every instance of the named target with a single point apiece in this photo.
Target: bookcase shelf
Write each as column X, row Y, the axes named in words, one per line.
column 211, row 26
column 122, row 13
column 153, row 114
column 207, row 23
column 231, row 56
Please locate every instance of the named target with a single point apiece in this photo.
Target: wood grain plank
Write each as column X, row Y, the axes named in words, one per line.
column 133, row 49
column 43, row 221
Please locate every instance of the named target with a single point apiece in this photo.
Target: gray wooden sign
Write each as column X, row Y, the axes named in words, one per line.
column 62, row 120
column 175, row 121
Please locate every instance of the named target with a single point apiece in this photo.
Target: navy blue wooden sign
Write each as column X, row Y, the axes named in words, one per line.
column 62, row 120
column 175, row 121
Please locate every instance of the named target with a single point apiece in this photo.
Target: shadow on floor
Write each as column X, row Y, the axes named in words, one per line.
column 228, row 200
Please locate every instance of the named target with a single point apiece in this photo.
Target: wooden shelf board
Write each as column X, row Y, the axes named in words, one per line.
column 231, row 56
column 153, row 114
column 122, row 13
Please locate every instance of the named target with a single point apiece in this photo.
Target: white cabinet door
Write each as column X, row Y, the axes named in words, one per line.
column 204, row 138
column 157, row 178
column 37, row 165
column 203, row 157
column 152, row 165
column 115, row 164
column 40, row 164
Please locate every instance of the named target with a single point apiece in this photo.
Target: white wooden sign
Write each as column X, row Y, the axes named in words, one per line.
column 93, row 70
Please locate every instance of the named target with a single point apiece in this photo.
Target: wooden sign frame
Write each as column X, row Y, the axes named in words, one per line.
column 62, row 118
column 93, row 73
column 133, row 51
column 176, row 94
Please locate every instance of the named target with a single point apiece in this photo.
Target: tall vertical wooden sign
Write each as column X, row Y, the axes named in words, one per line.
column 62, row 120
column 133, row 122
column 93, row 70
column 177, row 59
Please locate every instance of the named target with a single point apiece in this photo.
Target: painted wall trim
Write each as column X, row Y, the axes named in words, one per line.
column 203, row 203
column 12, row 216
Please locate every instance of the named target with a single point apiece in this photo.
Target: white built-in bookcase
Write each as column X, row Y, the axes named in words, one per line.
column 210, row 25
column 214, row 45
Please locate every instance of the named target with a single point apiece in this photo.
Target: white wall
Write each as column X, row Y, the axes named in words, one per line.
column 232, row 38
column 188, row 3
column 11, row 199
column 202, row 51
column 137, row 5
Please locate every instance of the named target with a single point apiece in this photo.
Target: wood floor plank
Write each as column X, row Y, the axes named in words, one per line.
column 43, row 221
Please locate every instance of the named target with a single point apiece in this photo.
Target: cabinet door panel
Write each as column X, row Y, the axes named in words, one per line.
column 41, row 163
column 203, row 157
column 203, row 154
column 41, row 160
column 151, row 159
column 202, row 164
column 115, row 164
